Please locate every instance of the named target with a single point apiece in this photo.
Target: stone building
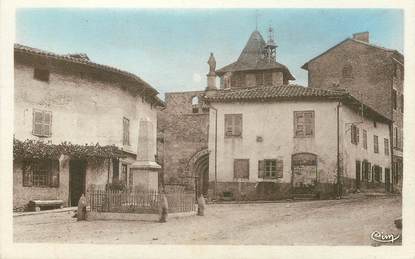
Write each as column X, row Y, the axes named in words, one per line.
column 372, row 74
column 265, row 138
column 79, row 123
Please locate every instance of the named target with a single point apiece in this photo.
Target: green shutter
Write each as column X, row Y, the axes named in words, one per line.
column 261, row 166
column 280, row 168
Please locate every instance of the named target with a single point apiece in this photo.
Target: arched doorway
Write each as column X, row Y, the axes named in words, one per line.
column 198, row 165
column 201, row 170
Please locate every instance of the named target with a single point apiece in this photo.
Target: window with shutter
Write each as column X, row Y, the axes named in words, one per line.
column 241, row 168
column 375, row 144
column 304, row 123
column 233, row 125
column 280, row 168
column 386, row 144
column 261, row 168
column 364, row 139
column 42, row 123
column 126, row 132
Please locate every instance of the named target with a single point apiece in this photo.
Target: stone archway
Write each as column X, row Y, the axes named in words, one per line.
column 198, row 165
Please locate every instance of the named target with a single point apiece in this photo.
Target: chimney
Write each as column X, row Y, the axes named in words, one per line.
column 362, row 36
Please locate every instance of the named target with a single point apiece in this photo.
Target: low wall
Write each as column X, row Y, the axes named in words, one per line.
column 93, row 215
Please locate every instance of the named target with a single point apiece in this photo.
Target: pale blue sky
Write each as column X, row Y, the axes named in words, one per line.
column 169, row 48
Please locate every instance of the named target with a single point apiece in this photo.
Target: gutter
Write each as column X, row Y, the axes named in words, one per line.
column 216, row 149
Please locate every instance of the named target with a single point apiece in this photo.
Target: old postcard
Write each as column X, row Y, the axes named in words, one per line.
column 219, row 131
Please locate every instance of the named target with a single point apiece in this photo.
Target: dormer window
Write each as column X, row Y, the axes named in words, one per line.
column 347, row 71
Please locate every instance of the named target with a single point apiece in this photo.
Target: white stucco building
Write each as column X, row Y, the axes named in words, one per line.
column 269, row 139
column 279, row 141
column 69, row 98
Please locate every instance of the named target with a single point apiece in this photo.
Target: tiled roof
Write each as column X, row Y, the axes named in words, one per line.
column 290, row 92
column 251, row 58
column 84, row 59
column 272, row 93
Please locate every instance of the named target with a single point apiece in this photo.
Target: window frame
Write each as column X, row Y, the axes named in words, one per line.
column 375, row 144
column 386, row 146
column 296, row 124
column 347, row 71
column 364, row 136
column 354, row 134
column 126, row 131
column 232, row 118
column 43, row 123
column 40, row 174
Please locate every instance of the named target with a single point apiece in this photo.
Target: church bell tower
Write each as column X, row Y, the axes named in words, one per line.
column 270, row 49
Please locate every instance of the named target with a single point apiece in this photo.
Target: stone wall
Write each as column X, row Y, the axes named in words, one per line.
column 370, row 78
column 181, row 134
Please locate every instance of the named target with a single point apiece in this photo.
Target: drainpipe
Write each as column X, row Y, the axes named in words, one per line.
column 216, row 149
column 339, row 187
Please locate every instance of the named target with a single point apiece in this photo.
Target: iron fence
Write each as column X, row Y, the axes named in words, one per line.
column 134, row 201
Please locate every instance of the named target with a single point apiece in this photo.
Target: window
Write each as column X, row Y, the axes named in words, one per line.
column 270, row 168
column 376, row 144
column 41, row 74
column 397, row 138
column 304, row 123
column 241, row 168
column 394, row 99
column 233, row 125
column 268, row 78
column 42, row 123
column 375, row 125
column 364, row 139
column 347, row 71
column 41, row 173
column 354, row 134
column 126, row 132
column 259, row 79
column 195, row 104
column 386, row 143
column 402, row 102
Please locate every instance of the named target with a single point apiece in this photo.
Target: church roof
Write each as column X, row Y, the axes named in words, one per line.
column 251, row 58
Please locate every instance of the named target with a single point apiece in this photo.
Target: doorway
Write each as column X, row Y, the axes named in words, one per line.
column 357, row 174
column 388, row 180
column 201, row 168
column 304, row 177
column 77, row 173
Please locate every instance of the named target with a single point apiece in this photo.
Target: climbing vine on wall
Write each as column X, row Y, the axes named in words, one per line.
column 35, row 149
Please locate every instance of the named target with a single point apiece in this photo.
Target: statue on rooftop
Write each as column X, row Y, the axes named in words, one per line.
column 212, row 64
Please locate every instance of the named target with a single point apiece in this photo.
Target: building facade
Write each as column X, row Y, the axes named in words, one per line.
column 374, row 75
column 89, row 124
column 282, row 141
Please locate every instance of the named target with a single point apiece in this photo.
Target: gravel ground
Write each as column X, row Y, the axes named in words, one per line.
column 334, row 222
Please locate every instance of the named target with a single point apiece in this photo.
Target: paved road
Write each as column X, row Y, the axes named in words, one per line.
column 335, row 222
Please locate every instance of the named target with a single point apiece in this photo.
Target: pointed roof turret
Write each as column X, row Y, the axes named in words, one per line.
column 253, row 49
column 252, row 58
